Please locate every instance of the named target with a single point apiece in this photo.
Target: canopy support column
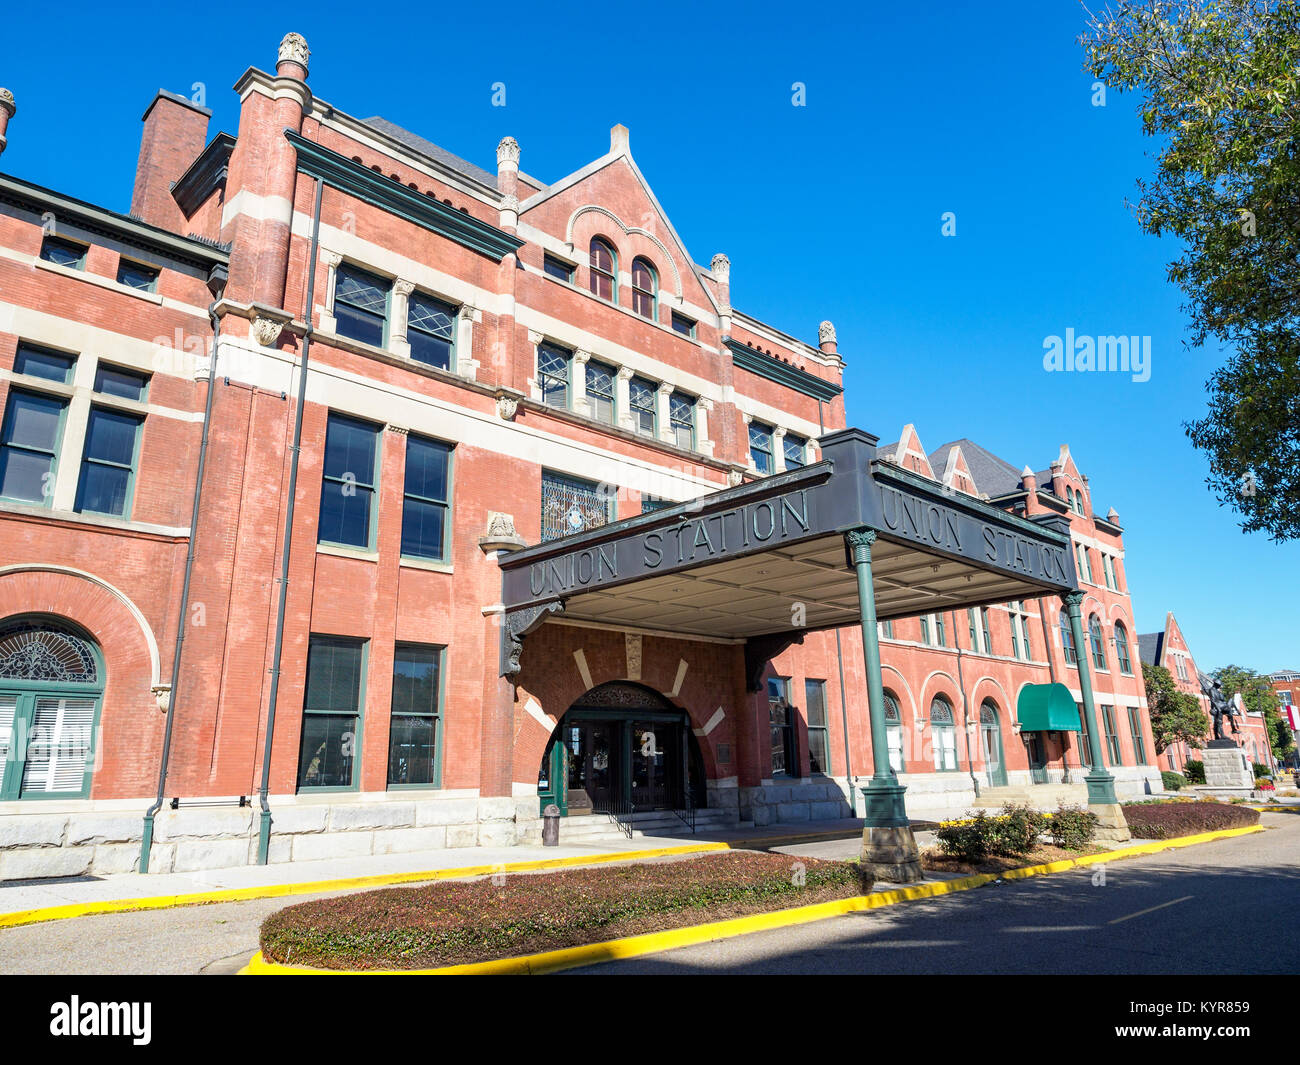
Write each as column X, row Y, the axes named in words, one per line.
column 888, row 845
column 1102, row 800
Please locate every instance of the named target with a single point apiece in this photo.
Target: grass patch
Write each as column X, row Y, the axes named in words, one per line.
column 452, row 923
column 1156, row 820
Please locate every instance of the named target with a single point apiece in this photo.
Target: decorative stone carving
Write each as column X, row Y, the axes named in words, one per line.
column 7, row 102
column 735, row 476
column 403, row 288
column 826, row 333
column 507, row 408
column 162, row 694
column 721, row 267
column 293, row 49
column 632, row 641
column 507, row 153
column 399, row 430
column 266, row 331
column 510, row 204
column 517, row 625
column 501, row 534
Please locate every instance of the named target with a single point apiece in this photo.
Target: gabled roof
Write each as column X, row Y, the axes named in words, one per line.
column 1149, row 647
column 428, row 148
column 992, row 475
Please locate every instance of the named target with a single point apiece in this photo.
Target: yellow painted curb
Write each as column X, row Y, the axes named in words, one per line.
column 271, row 891
column 654, row 942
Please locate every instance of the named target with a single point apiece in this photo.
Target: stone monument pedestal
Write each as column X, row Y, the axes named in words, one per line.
column 1228, row 771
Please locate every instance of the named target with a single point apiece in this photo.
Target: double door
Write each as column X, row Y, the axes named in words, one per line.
column 599, row 764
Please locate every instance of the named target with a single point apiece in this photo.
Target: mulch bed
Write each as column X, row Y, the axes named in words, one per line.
column 936, row 861
column 452, row 923
column 1168, row 820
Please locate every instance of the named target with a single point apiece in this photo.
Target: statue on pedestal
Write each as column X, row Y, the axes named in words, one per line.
column 1220, row 707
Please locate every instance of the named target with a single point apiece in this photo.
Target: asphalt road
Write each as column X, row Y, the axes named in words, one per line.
column 1214, row 908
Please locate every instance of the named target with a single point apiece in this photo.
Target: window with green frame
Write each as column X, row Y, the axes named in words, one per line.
column 1067, row 641
column 42, row 362
column 943, row 735
column 1135, row 727
column 414, row 731
column 681, row 413
column 349, row 477
column 760, row 447
column 819, row 747
column 793, row 449
column 1085, row 745
column 894, row 733
column 51, row 688
column 600, row 390
column 30, row 436
column 1111, row 732
column 331, row 712
column 641, row 396
column 431, row 330
column 361, row 303
column 64, row 253
column 427, row 489
column 554, row 365
column 108, row 462
column 1121, row 650
column 1097, row 641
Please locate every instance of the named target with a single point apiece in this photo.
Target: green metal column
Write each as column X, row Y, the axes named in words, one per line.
column 1101, row 784
column 883, row 795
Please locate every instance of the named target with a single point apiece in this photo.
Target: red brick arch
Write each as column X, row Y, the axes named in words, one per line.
column 130, row 722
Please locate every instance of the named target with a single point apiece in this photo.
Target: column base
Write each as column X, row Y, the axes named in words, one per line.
column 1101, row 788
column 1111, row 825
column 890, row 854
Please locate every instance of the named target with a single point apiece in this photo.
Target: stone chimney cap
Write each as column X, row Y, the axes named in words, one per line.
column 1027, row 472
column 7, row 102
column 176, row 98
column 293, row 49
column 1112, row 515
column 619, row 140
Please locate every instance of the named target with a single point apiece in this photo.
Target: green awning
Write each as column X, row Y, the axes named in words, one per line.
column 1047, row 708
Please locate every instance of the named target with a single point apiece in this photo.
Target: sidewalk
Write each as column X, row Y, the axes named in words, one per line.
column 341, row 874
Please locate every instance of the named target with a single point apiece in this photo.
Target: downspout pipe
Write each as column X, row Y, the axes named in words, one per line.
column 965, row 705
column 264, row 826
column 146, row 843
column 844, row 705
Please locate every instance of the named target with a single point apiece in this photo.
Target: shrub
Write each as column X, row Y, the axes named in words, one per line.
column 966, row 839
column 1072, row 827
column 1011, row 834
column 1194, row 771
column 1167, row 820
column 1263, row 784
column 1172, row 781
column 1261, row 770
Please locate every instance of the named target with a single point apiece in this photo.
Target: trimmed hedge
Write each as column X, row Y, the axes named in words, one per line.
column 1072, row 827
column 1194, row 771
column 1172, row 781
column 1157, row 820
column 1015, row 832
column 448, row 923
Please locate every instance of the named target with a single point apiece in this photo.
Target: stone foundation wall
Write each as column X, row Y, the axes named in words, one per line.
column 98, row 842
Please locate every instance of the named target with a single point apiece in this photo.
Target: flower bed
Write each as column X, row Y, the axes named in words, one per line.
column 450, row 923
column 1166, row 820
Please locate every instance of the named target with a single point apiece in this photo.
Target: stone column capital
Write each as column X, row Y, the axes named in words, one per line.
column 582, row 357
column 402, row 287
column 665, row 389
column 626, row 373
column 535, row 338
column 704, row 403
column 332, row 259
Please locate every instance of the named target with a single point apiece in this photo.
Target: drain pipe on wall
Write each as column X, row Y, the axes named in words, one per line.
column 965, row 705
column 844, row 706
column 146, row 843
column 264, row 827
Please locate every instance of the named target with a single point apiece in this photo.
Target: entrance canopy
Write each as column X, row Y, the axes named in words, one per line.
column 769, row 557
column 1047, row 708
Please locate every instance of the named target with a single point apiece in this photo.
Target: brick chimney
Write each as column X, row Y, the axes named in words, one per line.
column 175, row 131
column 7, row 111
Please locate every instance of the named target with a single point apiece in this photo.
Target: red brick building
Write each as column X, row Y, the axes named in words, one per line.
column 486, row 361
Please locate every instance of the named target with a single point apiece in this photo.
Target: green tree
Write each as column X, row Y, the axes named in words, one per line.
column 1260, row 698
column 1175, row 715
column 1220, row 96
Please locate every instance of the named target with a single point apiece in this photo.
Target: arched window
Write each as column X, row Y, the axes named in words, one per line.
column 894, row 733
column 51, row 682
column 943, row 735
column 1121, row 649
column 1069, row 497
column 604, row 269
column 1067, row 641
column 645, row 288
column 1098, row 643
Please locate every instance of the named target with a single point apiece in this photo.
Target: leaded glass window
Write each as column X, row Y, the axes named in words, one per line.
column 794, row 448
column 681, row 412
column 134, row 275
column 430, row 330
column 571, row 505
column 361, row 305
column 641, row 394
column 43, row 651
column 64, row 253
column 760, row 447
column 553, row 365
column 600, row 390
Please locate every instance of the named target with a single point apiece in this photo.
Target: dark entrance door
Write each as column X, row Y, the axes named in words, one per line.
column 593, row 764
column 1037, row 757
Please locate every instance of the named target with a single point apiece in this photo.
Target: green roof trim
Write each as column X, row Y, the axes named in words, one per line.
column 354, row 179
column 1047, row 708
column 781, row 372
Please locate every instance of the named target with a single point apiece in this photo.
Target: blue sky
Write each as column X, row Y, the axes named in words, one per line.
column 829, row 210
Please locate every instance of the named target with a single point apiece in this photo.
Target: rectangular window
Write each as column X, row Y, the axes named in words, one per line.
column 59, row 749
column 108, row 462
column 1085, row 566
column 760, row 447
column 416, row 713
column 600, row 390
column 331, row 709
column 819, row 750
column 641, row 394
column 123, row 384
column 431, row 330
column 64, row 253
column 651, row 503
column 683, row 325
column 886, row 629
column 988, row 636
column 558, row 268
column 781, row 728
column 1112, row 734
column 1107, row 571
column 1135, row 727
column 571, row 505
column 941, row 636
column 974, row 633
column 137, row 276
column 681, row 412
column 29, row 446
column 794, row 448
column 424, row 500
column 1085, row 744
column 361, row 305
column 553, row 367
column 40, row 362
column 348, row 482
column 925, row 629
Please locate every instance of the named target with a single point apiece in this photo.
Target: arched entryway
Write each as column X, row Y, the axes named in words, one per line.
column 995, row 769
column 51, row 687
column 622, row 748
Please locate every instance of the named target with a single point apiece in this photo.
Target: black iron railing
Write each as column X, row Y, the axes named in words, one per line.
column 687, row 813
column 620, row 813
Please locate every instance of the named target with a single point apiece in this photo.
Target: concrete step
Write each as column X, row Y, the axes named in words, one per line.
column 595, row 827
column 1039, row 796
